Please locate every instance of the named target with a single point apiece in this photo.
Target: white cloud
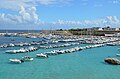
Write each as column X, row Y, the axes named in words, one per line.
column 112, row 21
column 25, row 16
column 28, row 18
column 115, row 1
column 26, row 12
column 15, row 4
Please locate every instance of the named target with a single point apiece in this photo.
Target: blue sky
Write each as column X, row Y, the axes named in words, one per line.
column 80, row 10
column 58, row 14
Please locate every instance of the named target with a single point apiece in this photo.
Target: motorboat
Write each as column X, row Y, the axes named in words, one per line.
column 27, row 58
column 60, row 51
column 118, row 55
column 11, row 51
column 16, row 60
column 42, row 55
column 54, row 52
column 12, row 45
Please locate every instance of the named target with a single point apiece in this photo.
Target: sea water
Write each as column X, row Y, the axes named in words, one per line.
column 84, row 64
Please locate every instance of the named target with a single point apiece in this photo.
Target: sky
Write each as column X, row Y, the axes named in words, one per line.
column 58, row 14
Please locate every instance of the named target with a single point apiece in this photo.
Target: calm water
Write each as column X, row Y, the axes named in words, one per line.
column 17, row 31
column 85, row 64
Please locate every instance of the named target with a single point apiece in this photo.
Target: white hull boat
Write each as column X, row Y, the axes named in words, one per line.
column 11, row 51
column 42, row 55
column 16, row 60
column 26, row 58
column 118, row 55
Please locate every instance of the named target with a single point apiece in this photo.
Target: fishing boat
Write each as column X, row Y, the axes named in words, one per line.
column 7, row 35
column 11, row 45
column 16, row 60
column 60, row 51
column 11, row 51
column 27, row 58
column 42, row 55
column 54, row 52
column 118, row 55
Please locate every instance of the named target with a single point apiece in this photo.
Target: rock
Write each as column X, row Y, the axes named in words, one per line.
column 113, row 61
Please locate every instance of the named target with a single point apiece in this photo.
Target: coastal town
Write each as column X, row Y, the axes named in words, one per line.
column 95, row 31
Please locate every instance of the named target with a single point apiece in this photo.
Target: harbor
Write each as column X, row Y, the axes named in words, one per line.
column 54, row 51
column 70, row 43
column 59, row 39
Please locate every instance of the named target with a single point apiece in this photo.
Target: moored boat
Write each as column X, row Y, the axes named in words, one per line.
column 27, row 58
column 52, row 52
column 11, row 51
column 118, row 55
column 42, row 55
column 16, row 60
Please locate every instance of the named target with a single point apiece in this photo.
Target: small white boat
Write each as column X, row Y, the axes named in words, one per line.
column 11, row 51
column 27, row 58
column 118, row 55
column 16, row 60
column 60, row 51
column 42, row 55
column 54, row 52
